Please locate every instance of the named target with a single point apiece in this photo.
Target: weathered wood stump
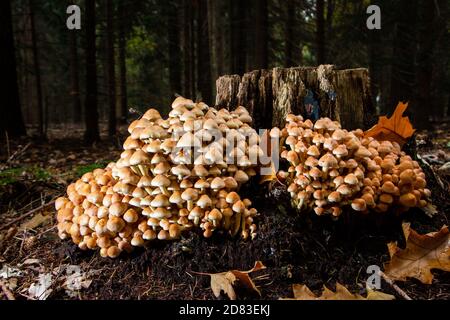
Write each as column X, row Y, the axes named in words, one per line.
column 313, row 92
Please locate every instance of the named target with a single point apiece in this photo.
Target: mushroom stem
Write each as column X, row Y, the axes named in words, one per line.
column 190, row 206
column 237, row 223
column 243, row 224
column 135, row 169
column 143, row 169
column 165, row 192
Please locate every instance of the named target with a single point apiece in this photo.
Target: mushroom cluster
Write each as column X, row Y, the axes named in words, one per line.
column 330, row 167
column 176, row 174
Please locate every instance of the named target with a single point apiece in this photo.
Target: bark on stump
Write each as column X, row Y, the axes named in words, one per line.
column 269, row 95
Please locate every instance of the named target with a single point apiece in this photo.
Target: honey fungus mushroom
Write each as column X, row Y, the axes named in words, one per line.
column 331, row 168
column 173, row 176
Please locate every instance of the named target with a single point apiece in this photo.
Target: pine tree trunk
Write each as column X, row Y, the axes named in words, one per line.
column 203, row 57
column 11, row 121
column 261, row 35
column 74, row 77
column 37, row 71
column 404, row 55
column 289, row 34
column 174, row 46
column 269, row 95
column 110, row 57
column 320, row 32
column 91, row 113
column 238, row 42
column 187, row 49
column 122, row 63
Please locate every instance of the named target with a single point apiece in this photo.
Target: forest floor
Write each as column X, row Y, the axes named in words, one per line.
column 295, row 248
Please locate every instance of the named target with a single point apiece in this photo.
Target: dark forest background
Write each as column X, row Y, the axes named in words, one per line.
column 140, row 53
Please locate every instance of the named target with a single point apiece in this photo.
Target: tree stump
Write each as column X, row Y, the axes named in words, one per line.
column 313, row 92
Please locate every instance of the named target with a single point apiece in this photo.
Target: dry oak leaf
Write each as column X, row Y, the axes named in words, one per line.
column 302, row 292
column 422, row 253
column 224, row 281
column 396, row 128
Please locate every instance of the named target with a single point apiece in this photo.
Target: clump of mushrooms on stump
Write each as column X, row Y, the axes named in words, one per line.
column 330, row 168
column 172, row 177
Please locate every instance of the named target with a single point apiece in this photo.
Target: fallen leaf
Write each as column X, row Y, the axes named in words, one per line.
column 224, row 281
column 41, row 289
column 302, row 292
column 35, row 222
column 396, row 128
column 422, row 253
column 8, row 272
column 30, row 261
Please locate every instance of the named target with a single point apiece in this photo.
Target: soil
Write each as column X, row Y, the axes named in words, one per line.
column 295, row 248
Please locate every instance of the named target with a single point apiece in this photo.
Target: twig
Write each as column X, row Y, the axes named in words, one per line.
column 18, row 151
column 6, row 291
column 29, row 213
column 394, row 286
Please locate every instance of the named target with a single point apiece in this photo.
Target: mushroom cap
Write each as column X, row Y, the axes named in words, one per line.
column 311, row 161
column 201, row 184
column 388, row 187
column 313, row 151
column 362, row 152
column 175, row 197
column 351, row 179
column 215, row 214
column 139, row 157
column 328, row 161
column 115, row 224
column 241, row 177
column 408, row 200
column 199, row 170
column 188, row 140
column 238, row 207
column 340, row 150
column 204, row 201
column 160, row 181
column 160, row 213
column 232, row 197
column 334, row 196
column 186, row 183
column 189, row 194
column 359, row 204
column 217, row 183
column 117, row 209
column 160, row 201
column 180, row 170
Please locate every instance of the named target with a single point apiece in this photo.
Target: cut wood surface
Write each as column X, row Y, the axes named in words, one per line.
column 269, row 95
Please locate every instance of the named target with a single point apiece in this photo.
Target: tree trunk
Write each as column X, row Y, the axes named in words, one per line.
column 187, row 43
column 11, row 121
column 270, row 95
column 122, row 63
column 427, row 43
column 174, row 46
column 74, row 77
column 261, row 35
column 203, row 57
column 289, row 34
column 37, row 71
column 403, row 81
column 238, row 42
column 110, row 57
column 91, row 113
column 320, row 32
